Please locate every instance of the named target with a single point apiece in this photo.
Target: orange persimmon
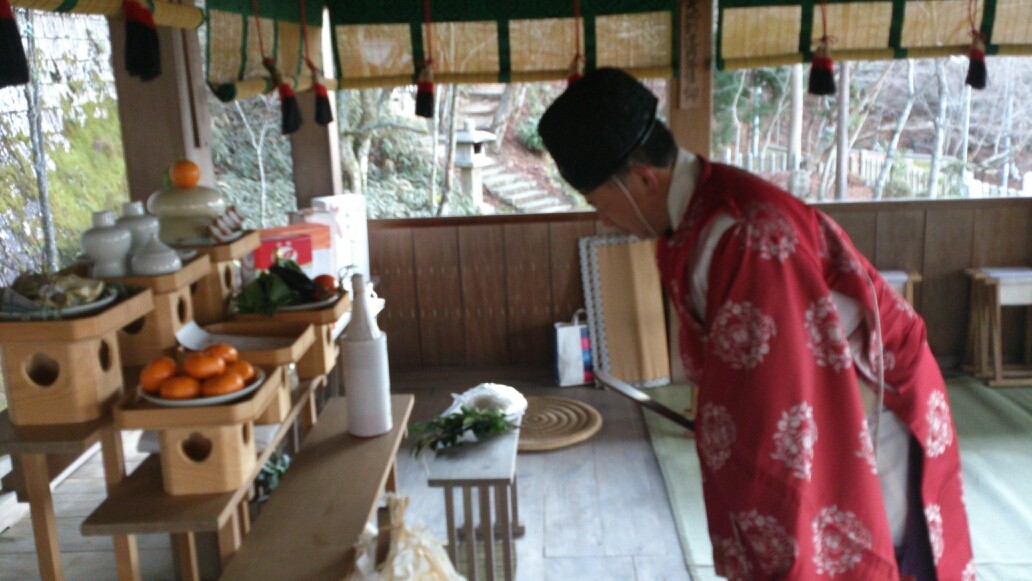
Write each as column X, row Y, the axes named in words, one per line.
column 222, row 384
column 242, row 368
column 180, row 387
column 155, row 372
column 201, row 366
column 223, row 351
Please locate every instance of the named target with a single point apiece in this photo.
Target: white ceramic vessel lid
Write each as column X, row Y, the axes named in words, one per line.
column 103, row 219
column 132, row 209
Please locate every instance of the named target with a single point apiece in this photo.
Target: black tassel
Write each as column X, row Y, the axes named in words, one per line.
column 323, row 112
column 14, row 68
column 142, row 52
column 822, row 73
column 425, row 92
column 977, row 74
column 290, row 109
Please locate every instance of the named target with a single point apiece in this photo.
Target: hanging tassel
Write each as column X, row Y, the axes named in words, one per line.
column 822, row 72
column 575, row 72
column 425, row 92
column 142, row 52
column 977, row 74
column 14, row 68
column 290, row 111
column 323, row 112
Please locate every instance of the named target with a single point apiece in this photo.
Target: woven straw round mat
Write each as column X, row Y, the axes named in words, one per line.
column 551, row 423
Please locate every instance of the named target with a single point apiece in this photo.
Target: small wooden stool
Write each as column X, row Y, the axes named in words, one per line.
column 991, row 290
column 482, row 466
column 903, row 282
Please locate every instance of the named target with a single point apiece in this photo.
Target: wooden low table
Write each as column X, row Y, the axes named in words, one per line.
column 903, row 282
column 487, row 465
column 139, row 504
column 29, row 446
column 310, row 525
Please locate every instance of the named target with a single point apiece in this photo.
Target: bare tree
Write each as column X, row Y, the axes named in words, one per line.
column 39, row 154
column 940, row 129
column 510, row 102
column 257, row 138
column 901, row 123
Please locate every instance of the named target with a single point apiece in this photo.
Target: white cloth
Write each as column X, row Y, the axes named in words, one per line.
column 893, row 435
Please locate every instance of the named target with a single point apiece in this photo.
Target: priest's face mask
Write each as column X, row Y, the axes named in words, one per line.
column 618, row 208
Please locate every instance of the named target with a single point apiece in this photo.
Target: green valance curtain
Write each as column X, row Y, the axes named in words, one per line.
column 758, row 33
column 381, row 43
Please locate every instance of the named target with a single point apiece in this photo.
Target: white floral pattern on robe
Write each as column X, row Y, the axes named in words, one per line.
column 940, row 428
column 771, row 545
column 839, row 540
column 826, row 337
column 741, row 334
column 716, row 435
column 794, row 440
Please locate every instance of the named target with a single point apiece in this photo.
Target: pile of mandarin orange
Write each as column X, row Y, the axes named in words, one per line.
column 217, row 370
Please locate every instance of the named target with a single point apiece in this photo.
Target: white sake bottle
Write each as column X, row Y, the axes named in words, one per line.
column 367, row 383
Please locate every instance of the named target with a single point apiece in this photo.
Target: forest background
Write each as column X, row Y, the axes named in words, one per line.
column 61, row 151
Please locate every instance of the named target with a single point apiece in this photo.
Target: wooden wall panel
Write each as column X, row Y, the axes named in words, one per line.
column 861, row 226
column 391, row 258
column 442, row 334
column 946, row 291
column 567, row 290
column 482, row 259
column 439, row 276
column 529, row 279
column 1002, row 236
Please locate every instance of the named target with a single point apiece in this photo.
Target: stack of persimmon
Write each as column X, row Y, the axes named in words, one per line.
column 217, row 370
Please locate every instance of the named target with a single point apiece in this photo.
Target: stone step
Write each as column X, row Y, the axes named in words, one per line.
column 538, row 205
column 506, row 187
column 560, row 208
column 523, row 196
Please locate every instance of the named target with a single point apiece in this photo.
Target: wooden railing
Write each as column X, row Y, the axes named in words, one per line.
column 486, row 290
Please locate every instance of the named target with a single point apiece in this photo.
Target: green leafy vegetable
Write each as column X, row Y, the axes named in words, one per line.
column 447, row 431
column 265, row 295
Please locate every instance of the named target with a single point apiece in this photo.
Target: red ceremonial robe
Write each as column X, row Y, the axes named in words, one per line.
column 789, row 475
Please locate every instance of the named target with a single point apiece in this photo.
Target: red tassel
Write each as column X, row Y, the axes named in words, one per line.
column 323, row 112
column 822, row 73
column 14, row 68
column 575, row 72
column 425, row 92
column 290, row 111
column 978, row 73
column 142, row 51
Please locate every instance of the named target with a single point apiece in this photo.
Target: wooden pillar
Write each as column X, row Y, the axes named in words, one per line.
column 691, row 113
column 165, row 119
column 316, row 154
column 691, row 94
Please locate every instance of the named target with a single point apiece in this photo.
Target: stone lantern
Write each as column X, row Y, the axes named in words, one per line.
column 470, row 157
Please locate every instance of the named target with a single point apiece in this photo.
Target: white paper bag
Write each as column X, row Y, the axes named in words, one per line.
column 573, row 352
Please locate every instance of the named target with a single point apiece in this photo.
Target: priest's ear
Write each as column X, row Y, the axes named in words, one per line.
column 649, row 176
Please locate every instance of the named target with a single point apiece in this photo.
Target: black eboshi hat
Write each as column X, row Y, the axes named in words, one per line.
column 594, row 126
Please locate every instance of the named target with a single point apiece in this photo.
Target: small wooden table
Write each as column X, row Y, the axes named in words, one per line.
column 29, row 446
column 903, row 282
column 483, row 466
column 991, row 290
column 139, row 504
column 309, row 527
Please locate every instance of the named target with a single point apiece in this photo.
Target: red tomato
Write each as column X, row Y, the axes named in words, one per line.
column 326, row 283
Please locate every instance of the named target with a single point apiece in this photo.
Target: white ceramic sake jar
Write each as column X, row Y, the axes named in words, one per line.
column 140, row 224
column 154, row 258
column 107, row 244
column 185, row 213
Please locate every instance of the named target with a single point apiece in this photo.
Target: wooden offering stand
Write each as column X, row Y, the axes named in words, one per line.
column 204, row 449
column 61, row 378
column 322, row 356
column 66, row 371
column 295, row 340
column 211, row 302
column 141, row 339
